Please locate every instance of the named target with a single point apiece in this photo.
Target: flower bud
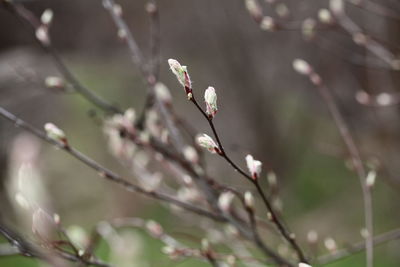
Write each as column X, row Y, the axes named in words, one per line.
column 302, row 67
column 55, row 133
column 336, row 6
column 254, row 166
column 302, row 264
column 162, row 92
column 225, row 201
column 47, row 17
column 54, row 82
column 205, row 244
column 267, row 24
column 254, row 9
column 325, row 16
column 208, row 143
column 181, row 74
column 210, row 98
column 312, row 237
column 190, row 154
column 370, row 180
column 42, row 35
column 330, row 244
column 308, row 28
column 154, row 228
column 249, row 199
column 43, row 225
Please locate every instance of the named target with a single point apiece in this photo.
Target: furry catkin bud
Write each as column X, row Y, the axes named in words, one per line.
column 225, row 201
column 336, row 6
column 181, row 74
column 210, row 97
column 55, row 133
column 208, row 143
column 325, row 16
column 370, row 180
column 254, row 166
column 249, row 199
column 302, row 264
column 254, row 8
column 308, row 28
column 302, row 67
column 47, row 17
column 162, row 93
column 54, row 82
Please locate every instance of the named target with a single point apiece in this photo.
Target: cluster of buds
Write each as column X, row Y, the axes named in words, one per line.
column 55, row 133
column 254, row 166
column 208, row 143
column 182, row 75
column 210, row 97
column 42, row 32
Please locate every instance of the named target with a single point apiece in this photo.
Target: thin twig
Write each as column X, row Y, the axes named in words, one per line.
column 104, row 172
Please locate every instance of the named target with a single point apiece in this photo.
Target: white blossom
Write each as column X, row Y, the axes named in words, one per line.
column 207, row 142
column 254, row 166
column 210, row 98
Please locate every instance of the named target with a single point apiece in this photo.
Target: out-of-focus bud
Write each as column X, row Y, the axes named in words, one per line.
column 210, row 97
column 364, row 233
column 162, row 93
column 190, row 154
column 336, row 6
column 254, row 8
column 384, row 99
column 302, row 264
column 54, row 82
column 370, row 180
column 205, row 245
column 249, row 200
column 154, row 228
column 55, row 133
column 182, row 75
column 271, row 178
column 308, row 28
column 254, row 166
column 208, row 143
column 225, row 201
column 42, row 35
column 22, row 201
column 43, row 225
column 117, row 9
column 267, row 24
column 363, row 97
column 301, row 66
column 325, row 16
column 282, row 10
column 78, row 236
column 47, row 17
column 312, row 237
column 151, row 8
column 330, row 244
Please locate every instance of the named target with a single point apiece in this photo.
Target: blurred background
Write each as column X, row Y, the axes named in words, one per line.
column 265, row 108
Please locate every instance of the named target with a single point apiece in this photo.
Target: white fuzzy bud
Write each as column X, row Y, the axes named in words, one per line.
column 55, row 133
column 208, row 143
column 254, row 9
column 181, row 74
column 42, row 35
column 210, row 97
column 47, row 17
column 302, row 264
column 162, row 92
column 302, row 67
column 325, row 16
column 267, row 23
column 225, row 201
column 249, row 199
column 384, row 99
column 254, row 166
column 330, row 244
column 154, row 228
column 312, row 237
column 370, row 180
column 282, row 10
column 43, row 225
column 54, row 82
column 336, row 6
column 190, row 154
column 205, row 244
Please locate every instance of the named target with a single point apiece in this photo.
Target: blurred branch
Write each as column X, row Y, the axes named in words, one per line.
column 358, row 247
column 34, row 23
column 104, row 172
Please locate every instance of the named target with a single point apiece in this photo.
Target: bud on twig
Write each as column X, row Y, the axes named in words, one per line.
column 249, row 200
column 182, row 75
column 54, row 82
column 47, row 17
column 210, row 97
column 370, row 180
column 336, row 6
column 302, row 67
column 42, row 35
column 162, row 93
column 325, row 16
column 254, row 8
column 55, row 133
column 254, row 166
column 208, row 143
column 302, row 264
column 330, row 244
column 225, row 201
